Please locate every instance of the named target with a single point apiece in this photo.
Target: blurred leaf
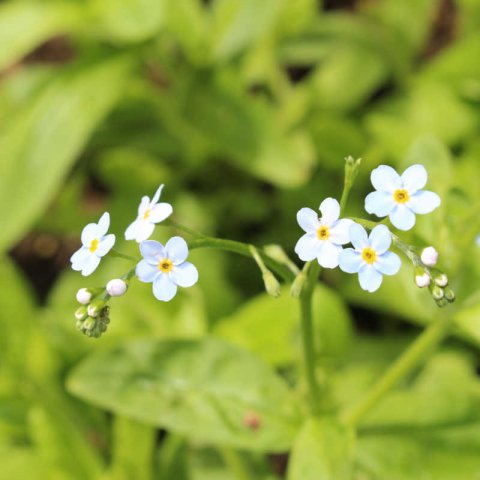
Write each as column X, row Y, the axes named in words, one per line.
column 64, row 116
column 20, row 463
column 201, row 389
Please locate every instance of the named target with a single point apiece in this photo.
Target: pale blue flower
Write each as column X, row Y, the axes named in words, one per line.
column 400, row 197
column 165, row 267
column 95, row 244
column 370, row 257
column 150, row 212
column 324, row 236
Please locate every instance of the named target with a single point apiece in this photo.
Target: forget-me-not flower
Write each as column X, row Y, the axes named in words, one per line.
column 95, row 244
column 400, row 197
column 150, row 212
column 370, row 257
column 165, row 267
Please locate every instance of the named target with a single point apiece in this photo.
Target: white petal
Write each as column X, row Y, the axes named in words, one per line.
column 177, row 250
column 402, row 217
column 389, row 263
column 131, row 231
column 379, row 203
column 424, row 202
column 350, row 261
column 160, row 212
column 380, row 239
column 330, row 210
column 91, row 263
column 143, row 207
column 370, row 279
column 145, row 271
column 103, row 224
column 105, row 245
column 307, row 247
column 358, row 236
column 144, row 230
column 184, row 275
column 79, row 257
column 340, row 231
column 89, row 233
column 385, row 179
column 328, row 254
column 152, row 251
column 414, row 178
column 156, row 197
column 163, row 288
column 308, row 220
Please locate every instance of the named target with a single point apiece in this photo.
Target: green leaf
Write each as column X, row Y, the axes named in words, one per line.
column 206, row 390
column 42, row 141
column 322, row 450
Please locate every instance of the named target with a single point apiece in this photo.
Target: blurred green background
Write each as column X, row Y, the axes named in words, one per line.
column 245, row 109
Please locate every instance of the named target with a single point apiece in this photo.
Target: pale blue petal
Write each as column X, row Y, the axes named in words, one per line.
column 385, row 179
column 89, row 233
column 358, row 236
column 370, row 279
column 145, row 271
column 414, row 178
column 350, row 261
column 90, row 264
column 144, row 230
column 79, row 257
column 103, row 224
column 164, row 288
column 379, row 203
column 307, row 247
column 330, row 210
column 105, row 245
column 380, row 239
column 177, row 250
column 402, row 217
column 160, row 212
column 152, row 251
column 389, row 263
column 308, row 220
column 424, row 202
column 156, row 197
column 328, row 254
column 340, row 231
column 184, row 275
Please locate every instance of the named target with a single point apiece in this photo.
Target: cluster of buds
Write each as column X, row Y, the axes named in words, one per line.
column 433, row 278
column 93, row 316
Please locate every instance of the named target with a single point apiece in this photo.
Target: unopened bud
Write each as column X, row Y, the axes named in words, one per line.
column 422, row 281
column 80, row 313
column 443, row 302
column 116, row 287
column 429, row 256
column 437, row 292
column 95, row 308
column 84, row 295
column 441, row 280
column 89, row 323
column 450, row 295
column 271, row 283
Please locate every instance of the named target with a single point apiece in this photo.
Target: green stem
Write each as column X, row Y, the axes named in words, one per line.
column 406, row 363
column 183, row 228
column 235, row 463
column 117, row 254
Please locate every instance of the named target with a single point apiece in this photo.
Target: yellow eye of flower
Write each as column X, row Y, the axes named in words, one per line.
column 369, row 255
column 401, row 195
column 146, row 214
column 323, row 233
column 165, row 265
column 93, row 245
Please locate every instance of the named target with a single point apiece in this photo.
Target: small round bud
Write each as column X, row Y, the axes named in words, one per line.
column 441, row 280
column 84, row 295
column 429, row 256
column 80, row 313
column 437, row 292
column 116, row 287
column 95, row 308
column 450, row 295
column 422, row 281
column 443, row 302
column 271, row 284
column 89, row 323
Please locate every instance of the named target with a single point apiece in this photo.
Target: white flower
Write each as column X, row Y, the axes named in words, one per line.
column 324, row 236
column 84, row 296
column 370, row 258
column 400, row 197
column 150, row 212
column 165, row 267
column 422, row 280
column 95, row 244
column 116, row 287
column 429, row 256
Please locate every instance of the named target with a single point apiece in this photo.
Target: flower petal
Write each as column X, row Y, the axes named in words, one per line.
column 414, row 178
column 380, row 239
column 131, row 231
column 379, row 203
column 160, row 212
column 370, row 279
column 145, row 271
column 79, row 258
column 185, row 274
column 143, row 230
column 90, row 264
column 143, row 207
column 424, row 202
column 163, row 288
column 152, row 251
column 103, row 224
column 330, row 210
column 402, row 217
column 307, row 247
column 328, row 254
column 105, row 245
column 177, row 250
column 156, row 196
column 308, row 220
column 89, row 233
column 350, row 261
column 389, row 263
column 385, row 179
column 358, row 236
column 340, row 231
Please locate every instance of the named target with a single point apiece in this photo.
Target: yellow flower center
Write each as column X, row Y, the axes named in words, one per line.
column 165, row 265
column 401, row 195
column 323, row 233
column 369, row 255
column 146, row 214
column 93, row 245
